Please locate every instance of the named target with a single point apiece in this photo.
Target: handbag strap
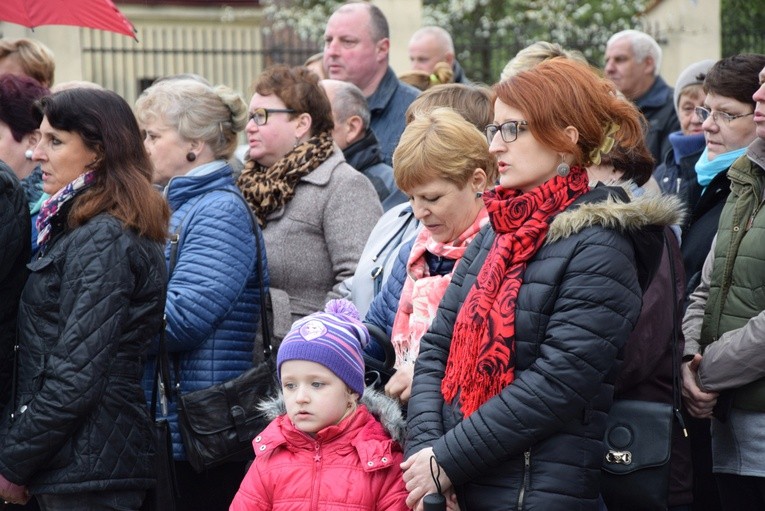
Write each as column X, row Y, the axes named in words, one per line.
column 676, row 395
column 266, row 333
column 161, row 373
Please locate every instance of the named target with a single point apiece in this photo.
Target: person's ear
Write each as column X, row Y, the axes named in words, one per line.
column 31, row 139
column 572, row 133
column 383, row 47
column 478, row 181
column 449, row 58
column 355, row 129
column 650, row 65
column 303, row 126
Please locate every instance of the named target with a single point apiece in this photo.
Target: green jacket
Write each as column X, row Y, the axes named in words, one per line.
column 737, row 286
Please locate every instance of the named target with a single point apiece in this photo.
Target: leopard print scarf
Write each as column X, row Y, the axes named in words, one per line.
column 267, row 189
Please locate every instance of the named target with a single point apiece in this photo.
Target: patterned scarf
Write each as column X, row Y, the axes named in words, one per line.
column 423, row 292
column 267, row 189
column 482, row 355
column 52, row 206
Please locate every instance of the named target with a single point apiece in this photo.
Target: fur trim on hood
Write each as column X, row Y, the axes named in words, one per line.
column 385, row 409
column 614, row 208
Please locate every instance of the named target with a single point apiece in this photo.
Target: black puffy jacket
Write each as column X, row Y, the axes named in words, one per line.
column 538, row 444
column 90, row 307
column 14, row 254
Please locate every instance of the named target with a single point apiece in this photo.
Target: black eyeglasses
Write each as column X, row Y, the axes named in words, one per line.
column 260, row 115
column 704, row 114
column 508, row 130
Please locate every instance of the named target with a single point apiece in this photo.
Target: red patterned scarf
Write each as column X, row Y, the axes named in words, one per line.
column 482, row 355
column 422, row 292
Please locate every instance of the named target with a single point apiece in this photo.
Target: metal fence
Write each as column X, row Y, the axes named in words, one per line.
column 231, row 55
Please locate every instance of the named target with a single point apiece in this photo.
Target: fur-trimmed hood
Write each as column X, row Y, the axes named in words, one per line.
column 615, row 208
column 643, row 219
column 385, row 409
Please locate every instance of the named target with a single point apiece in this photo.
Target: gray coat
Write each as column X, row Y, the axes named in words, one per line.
column 315, row 241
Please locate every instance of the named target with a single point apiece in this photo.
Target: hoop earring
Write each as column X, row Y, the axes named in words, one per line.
column 28, row 154
column 190, row 156
column 563, row 169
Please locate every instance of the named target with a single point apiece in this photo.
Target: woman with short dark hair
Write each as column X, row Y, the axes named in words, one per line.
column 316, row 210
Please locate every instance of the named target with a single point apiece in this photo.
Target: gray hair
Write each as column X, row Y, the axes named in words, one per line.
column 347, row 101
column 213, row 115
column 643, row 45
column 442, row 36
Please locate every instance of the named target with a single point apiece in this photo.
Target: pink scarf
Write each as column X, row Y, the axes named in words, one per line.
column 423, row 292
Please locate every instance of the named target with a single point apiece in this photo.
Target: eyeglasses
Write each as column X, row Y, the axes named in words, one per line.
column 260, row 115
column 726, row 118
column 507, row 130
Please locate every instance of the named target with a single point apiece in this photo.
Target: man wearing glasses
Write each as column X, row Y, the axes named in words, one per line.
column 633, row 61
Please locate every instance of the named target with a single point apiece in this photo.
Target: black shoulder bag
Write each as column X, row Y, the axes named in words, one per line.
column 638, row 440
column 218, row 423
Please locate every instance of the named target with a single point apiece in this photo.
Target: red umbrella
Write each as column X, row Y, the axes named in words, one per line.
column 100, row 14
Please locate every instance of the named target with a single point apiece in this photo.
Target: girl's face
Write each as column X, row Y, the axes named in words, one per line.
column 314, row 396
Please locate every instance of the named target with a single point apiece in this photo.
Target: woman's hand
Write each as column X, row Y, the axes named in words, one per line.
column 13, row 493
column 418, row 479
column 698, row 402
column 400, row 384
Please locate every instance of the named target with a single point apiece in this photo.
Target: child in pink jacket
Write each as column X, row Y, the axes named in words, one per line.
column 329, row 451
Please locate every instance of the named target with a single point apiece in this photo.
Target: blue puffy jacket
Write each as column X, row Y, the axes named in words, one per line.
column 213, row 296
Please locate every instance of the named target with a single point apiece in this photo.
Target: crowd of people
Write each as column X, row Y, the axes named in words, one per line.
column 516, row 257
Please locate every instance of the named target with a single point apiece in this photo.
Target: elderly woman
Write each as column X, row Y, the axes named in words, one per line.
column 19, row 134
column 675, row 174
column 443, row 164
column 213, row 292
column 515, row 376
column 316, row 211
column 80, row 435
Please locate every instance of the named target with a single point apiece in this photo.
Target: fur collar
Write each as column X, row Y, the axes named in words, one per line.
column 385, row 409
column 614, row 208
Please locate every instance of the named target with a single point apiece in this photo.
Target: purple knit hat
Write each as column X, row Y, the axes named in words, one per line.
column 334, row 338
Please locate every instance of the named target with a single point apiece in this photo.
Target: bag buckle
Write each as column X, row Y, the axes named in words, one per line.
column 619, row 457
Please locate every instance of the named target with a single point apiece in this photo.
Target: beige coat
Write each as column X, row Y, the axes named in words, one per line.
column 315, row 241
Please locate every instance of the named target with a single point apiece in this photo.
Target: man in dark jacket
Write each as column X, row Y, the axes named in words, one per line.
column 354, row 136
column 14, row 254
column 633, row 61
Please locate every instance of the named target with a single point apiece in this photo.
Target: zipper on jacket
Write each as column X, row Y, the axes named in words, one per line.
column 316, row 477
column 526, row 476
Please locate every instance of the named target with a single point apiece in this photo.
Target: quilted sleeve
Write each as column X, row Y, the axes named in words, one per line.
column 216, row 257
column 382, row 311
column 96, row 285
column 252, row 494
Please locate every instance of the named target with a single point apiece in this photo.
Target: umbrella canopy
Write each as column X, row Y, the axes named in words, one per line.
column 100, row 14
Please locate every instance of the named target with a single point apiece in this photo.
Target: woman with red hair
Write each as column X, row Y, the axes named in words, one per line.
column 515, row 377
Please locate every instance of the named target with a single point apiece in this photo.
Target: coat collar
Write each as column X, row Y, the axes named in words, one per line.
column 386, row 410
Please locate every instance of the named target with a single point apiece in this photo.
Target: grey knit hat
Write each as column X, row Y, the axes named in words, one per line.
column 689, row 76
